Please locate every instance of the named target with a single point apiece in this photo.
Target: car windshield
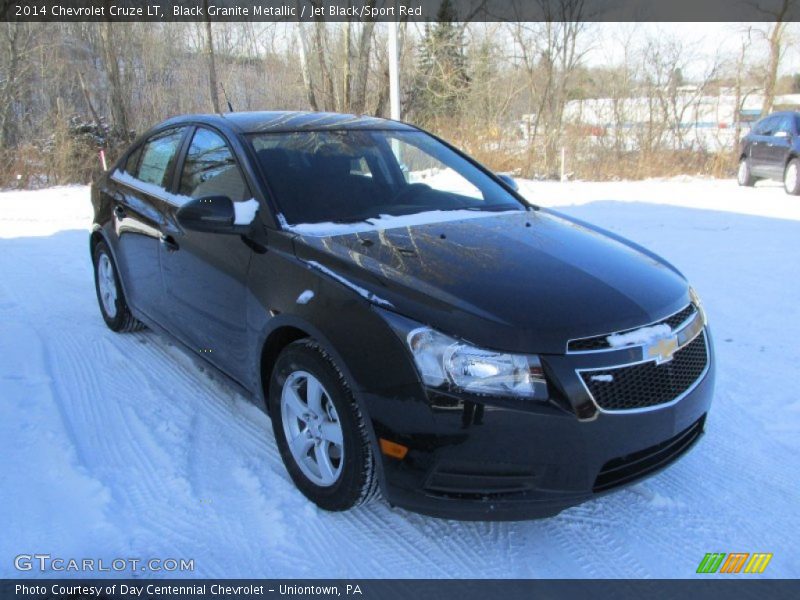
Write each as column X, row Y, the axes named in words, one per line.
column 355, row 175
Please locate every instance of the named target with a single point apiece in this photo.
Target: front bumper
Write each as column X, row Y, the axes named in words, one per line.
column 490, row 460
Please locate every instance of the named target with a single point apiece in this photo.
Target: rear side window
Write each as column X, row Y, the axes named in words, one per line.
column 767, row 126
column 784, row 124
column 158, row 157
column 132, row 162
column 210, row 169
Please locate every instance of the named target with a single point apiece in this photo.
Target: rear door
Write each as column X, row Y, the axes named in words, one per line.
column 205, row 274
column 779, row 145
column 140, row 193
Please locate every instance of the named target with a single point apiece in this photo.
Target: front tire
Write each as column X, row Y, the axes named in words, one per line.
column 320, row 431
column 744, row 175
column 791, row 177
column 110, row 296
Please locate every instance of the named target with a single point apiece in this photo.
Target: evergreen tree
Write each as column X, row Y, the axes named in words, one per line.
column 442, row 79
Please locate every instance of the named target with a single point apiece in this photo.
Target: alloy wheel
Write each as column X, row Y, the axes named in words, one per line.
column 743, row 172
column 312, row 428
column 107, row 285
column 790, row 177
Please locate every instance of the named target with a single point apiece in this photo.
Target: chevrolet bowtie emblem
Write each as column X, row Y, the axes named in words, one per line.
column 662, row 350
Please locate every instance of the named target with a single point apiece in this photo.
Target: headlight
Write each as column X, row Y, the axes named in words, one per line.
column 442, row 361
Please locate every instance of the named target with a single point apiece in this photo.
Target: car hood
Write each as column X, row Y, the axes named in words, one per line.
column 520, row 282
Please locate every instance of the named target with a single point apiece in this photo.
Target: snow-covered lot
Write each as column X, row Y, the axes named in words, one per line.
column 121, row 446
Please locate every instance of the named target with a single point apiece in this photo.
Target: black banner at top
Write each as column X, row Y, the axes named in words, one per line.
column 399, row 10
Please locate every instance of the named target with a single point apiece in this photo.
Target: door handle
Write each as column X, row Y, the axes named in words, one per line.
column 169, row 242
column 119, row 212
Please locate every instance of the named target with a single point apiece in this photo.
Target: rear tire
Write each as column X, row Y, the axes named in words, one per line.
column 744, row 175
column 791, row 177
column 312, row 408
column 110, row 295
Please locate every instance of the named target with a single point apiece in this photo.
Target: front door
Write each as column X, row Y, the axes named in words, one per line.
column 779, row 145
column 761, row 137
column 205, row 274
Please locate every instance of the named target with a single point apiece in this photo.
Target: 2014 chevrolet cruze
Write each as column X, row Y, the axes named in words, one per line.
column 410, row 323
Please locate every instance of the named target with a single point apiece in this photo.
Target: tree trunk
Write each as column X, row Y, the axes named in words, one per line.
column 346, row 79
column 12, row 31
column 308, row 83
column 119, row 113
column 321, row 50
column 775, row 50
column 212, row 62
column 359, row 99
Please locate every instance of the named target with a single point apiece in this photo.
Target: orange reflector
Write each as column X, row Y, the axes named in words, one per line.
column 393, row 449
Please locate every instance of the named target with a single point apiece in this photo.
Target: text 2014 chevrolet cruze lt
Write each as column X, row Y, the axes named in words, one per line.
column 410, row 323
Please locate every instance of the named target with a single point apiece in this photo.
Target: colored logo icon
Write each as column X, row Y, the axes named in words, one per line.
column 735, row 562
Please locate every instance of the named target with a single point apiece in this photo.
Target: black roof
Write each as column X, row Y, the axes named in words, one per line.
column 278, row 121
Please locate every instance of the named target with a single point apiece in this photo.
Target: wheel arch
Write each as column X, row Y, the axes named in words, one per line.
column 283, row 330
column 95, row 237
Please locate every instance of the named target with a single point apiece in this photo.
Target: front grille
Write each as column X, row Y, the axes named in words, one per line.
column 648, row 384
column 600, row 342
column 626, row 469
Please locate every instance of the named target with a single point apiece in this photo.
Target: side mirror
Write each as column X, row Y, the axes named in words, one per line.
column 509, row 181
column 781, row 134
column 211, row 214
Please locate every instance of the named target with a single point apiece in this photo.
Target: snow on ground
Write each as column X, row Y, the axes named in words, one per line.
column 121, row 446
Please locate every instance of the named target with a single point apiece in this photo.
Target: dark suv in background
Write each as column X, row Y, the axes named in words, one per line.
column 770, row 151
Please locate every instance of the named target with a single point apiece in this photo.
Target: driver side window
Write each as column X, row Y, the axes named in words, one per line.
column 210, row 169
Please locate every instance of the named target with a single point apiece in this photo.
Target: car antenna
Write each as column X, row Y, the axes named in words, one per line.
column 228, row 100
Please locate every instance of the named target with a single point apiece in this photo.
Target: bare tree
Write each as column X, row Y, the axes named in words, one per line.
column 775, row 37
column 16, row 44
column 739, row 99
column 212, row 62
column 118, row 98
column 335, row 64
column 550, row 54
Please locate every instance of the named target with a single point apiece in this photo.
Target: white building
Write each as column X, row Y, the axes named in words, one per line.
column 688, row 120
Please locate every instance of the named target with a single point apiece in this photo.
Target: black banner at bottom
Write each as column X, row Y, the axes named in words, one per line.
column 405, row 589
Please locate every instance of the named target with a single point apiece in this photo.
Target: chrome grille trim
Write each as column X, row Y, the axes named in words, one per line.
column 603, row 336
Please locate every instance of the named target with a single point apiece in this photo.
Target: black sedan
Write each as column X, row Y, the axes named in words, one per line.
column 410, row 323
column 771, row 150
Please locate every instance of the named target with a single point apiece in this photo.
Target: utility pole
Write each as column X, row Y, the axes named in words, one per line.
column 394, row 72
